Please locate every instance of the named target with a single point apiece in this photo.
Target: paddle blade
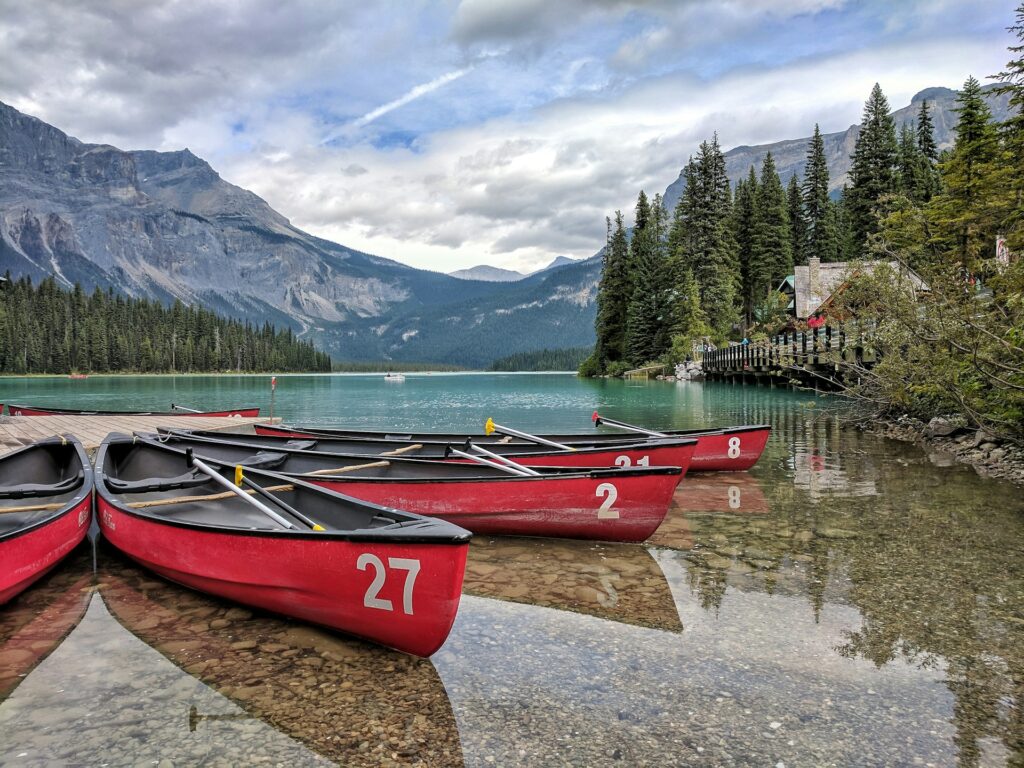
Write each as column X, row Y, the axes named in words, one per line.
column 489, row 427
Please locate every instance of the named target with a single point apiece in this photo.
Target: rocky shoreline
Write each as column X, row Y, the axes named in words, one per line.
column 941, row 437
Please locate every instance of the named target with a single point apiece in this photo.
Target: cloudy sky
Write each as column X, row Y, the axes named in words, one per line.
column 451, row 133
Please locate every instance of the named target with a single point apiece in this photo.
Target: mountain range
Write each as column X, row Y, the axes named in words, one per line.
column 165, row 225
column 499, row 275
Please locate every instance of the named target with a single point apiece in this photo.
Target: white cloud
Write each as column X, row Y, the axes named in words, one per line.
column 552, row 114
column 411, row 95
column 517, row 192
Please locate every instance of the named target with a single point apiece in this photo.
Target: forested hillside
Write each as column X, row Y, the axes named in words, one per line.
column 45, row 329
column 543, row 360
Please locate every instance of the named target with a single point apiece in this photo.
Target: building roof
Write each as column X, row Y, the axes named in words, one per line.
column 831, row 277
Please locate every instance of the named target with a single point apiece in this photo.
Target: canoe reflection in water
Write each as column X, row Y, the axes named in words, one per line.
column 737, row 493
column 349, row 701
column 37, row 621
column 619, row 582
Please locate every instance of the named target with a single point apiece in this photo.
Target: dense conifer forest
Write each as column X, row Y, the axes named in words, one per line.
column 46, row 329
column 543, row 360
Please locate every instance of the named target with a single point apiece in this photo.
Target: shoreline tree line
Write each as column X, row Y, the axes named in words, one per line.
column 46, row 329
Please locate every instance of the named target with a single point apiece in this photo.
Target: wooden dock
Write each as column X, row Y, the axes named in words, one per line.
column 16, row 431
column 816, row 358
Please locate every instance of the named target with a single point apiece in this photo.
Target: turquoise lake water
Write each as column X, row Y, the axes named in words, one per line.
column 851, row 601
column 550, row 402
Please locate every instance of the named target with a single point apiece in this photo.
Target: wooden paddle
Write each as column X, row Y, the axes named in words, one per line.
column 207, row 497
column 400, row 451
column 31, row 508
column 353, row 468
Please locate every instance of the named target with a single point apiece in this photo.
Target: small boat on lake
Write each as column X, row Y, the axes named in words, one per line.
column 247, row 412
column 731, row 449
column 607, row 504
column 394, row 377
column 283, row 544
column 45, row 509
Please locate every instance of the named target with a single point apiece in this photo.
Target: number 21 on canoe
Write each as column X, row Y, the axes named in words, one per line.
column 389, row 576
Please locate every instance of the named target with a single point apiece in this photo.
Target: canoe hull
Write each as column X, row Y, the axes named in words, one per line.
column 26, row 558
column 732, row 450
column 24, row 410
column 626, row 509
column 404, row 595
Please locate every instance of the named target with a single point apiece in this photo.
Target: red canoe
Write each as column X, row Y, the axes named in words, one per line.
column 385, row 575
column 29, row 410
column 676, row 452
column 730, row 450
column 624, row 505
column 734, row 449
column 51, row 483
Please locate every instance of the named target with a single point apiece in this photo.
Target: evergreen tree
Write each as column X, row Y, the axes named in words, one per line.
column 928, row 155
column 772, row 257
column 1012, row 177
column 797, row 221
column 925, row 133
column 613, row 295
column 702, row 236
column 820, row 213
column 647, row 316
column 690, row 320
column 874, row 171
column 964, row 215
column 743, row 234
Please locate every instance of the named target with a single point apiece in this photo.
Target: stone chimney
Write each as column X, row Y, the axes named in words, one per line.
column 814, row 276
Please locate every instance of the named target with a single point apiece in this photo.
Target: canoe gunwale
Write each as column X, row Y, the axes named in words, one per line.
column 560, row 473
column 597, row 437
column 637, row 445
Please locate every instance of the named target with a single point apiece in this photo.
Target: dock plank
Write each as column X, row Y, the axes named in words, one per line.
column 16, row 431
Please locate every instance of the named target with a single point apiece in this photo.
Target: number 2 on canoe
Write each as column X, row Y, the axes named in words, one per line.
column 624, row 461
column 611, row 494
column 734, row 447
column 370, row 599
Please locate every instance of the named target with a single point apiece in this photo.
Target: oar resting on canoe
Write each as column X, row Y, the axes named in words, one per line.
column 380, row 573
column 608, row 504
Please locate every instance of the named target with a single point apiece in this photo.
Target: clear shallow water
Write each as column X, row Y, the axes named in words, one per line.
column 850, row 601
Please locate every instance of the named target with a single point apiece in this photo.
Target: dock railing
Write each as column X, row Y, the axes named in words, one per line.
column 815, row 353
